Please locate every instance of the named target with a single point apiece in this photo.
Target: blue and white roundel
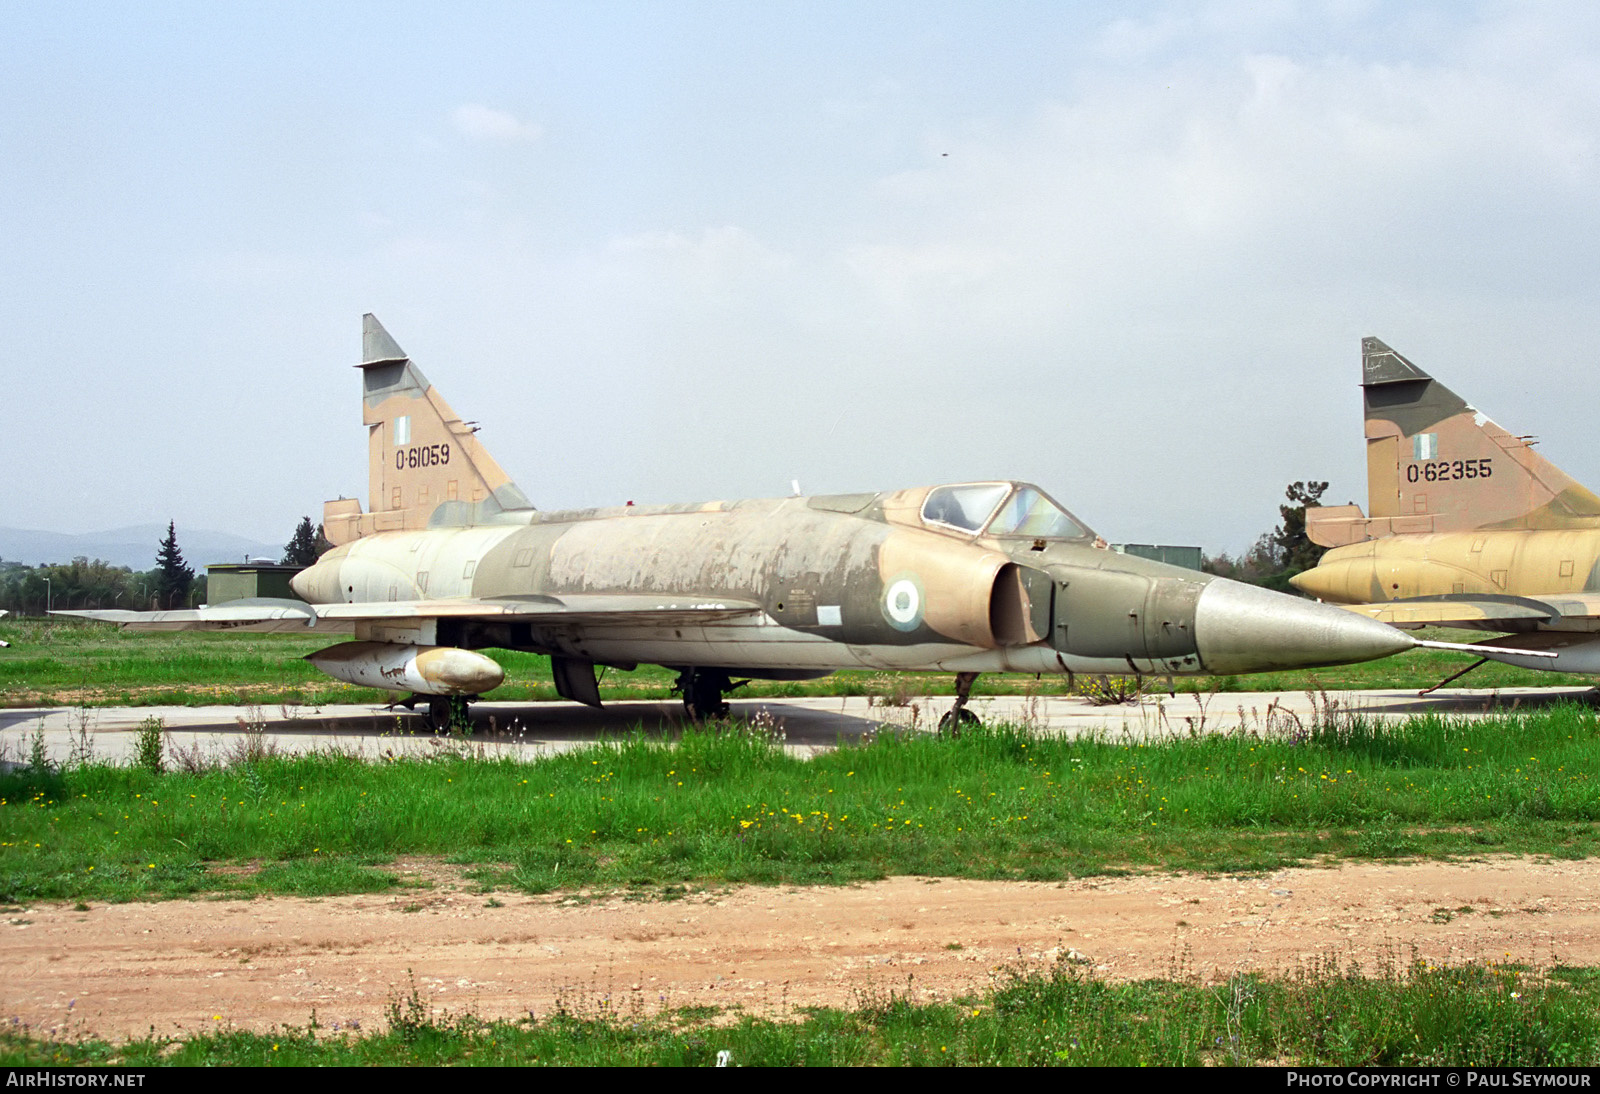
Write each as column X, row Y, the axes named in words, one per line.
column 902, row 603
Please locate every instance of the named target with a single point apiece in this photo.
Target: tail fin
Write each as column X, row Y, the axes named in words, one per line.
column 426, row 467
column 1434, row 464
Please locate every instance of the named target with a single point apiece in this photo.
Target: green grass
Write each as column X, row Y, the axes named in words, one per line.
column 79, row 663
column 729, row 805
column 1399, row 1016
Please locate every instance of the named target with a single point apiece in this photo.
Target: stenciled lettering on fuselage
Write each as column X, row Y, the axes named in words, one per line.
column 1447, row 470
column 429, row 455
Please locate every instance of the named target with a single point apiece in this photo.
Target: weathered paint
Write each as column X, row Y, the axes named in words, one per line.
column 841, row 580
column 423, row 670
column 451, row 555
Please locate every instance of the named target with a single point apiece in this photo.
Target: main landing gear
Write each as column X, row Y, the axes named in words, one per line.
column 960, row 717
column 702, row 691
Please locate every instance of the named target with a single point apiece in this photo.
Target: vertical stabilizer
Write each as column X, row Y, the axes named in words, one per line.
column 1435, row 464
column 426, row 467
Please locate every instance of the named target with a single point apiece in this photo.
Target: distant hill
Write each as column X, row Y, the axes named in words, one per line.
column 134, row 546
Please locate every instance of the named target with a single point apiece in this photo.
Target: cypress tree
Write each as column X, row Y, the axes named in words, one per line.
column 173, row 576
column 305, row 545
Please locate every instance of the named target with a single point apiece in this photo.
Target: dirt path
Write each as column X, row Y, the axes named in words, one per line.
column 120, row 970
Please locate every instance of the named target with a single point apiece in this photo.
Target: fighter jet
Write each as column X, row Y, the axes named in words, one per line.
column 451, row 559
column 1469, row 527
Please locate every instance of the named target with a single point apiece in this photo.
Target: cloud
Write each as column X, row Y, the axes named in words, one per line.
column 900, row 273
column 724, row 257
column 482, row 123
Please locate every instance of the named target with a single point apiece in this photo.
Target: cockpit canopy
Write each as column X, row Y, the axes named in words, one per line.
column 1002, row 509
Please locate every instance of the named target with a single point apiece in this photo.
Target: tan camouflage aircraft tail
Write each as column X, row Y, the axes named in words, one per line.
column 426, row 467
column 1434, row 464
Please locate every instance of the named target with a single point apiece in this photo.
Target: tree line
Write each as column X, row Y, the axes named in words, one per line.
column 1281, row 553
column 86, row 583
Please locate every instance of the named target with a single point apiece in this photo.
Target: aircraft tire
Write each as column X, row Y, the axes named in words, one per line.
column 955, row 721
column 702, row 694
column 446, row 713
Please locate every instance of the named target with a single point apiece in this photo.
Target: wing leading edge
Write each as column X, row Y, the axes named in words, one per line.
column 294, row 616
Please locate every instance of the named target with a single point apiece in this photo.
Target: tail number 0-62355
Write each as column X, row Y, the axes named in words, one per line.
column 1444, row 470
column 428, row 455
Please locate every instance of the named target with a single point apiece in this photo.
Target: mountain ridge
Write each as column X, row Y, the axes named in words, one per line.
column 133, row 546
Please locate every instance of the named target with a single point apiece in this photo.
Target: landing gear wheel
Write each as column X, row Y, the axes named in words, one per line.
column 446, row 713
column 702, row 693
column 956, row 720
column 960, row 717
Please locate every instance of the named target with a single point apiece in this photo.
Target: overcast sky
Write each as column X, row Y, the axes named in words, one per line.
column 681, row 251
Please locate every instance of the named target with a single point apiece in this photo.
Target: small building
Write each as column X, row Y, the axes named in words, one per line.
column 1187, row 557
column 258, row 577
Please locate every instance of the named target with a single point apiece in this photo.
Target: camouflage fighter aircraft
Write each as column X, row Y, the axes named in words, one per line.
column 452, row 558
column 1469, row 527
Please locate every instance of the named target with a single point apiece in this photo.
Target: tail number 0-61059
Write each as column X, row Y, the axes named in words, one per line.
column 428, row 455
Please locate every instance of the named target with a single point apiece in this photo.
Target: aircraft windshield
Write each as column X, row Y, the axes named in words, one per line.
column 965, row 507
column 1030, row 513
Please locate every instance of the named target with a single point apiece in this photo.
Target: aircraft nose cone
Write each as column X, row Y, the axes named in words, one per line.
column 1243, row 628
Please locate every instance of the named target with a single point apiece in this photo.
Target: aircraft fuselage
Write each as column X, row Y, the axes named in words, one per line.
column 1548, row 561
column 841, row 581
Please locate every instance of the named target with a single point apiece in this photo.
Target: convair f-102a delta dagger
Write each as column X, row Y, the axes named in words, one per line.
column 452, row 559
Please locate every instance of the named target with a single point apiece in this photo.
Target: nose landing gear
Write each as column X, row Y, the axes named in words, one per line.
column 959, row 717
